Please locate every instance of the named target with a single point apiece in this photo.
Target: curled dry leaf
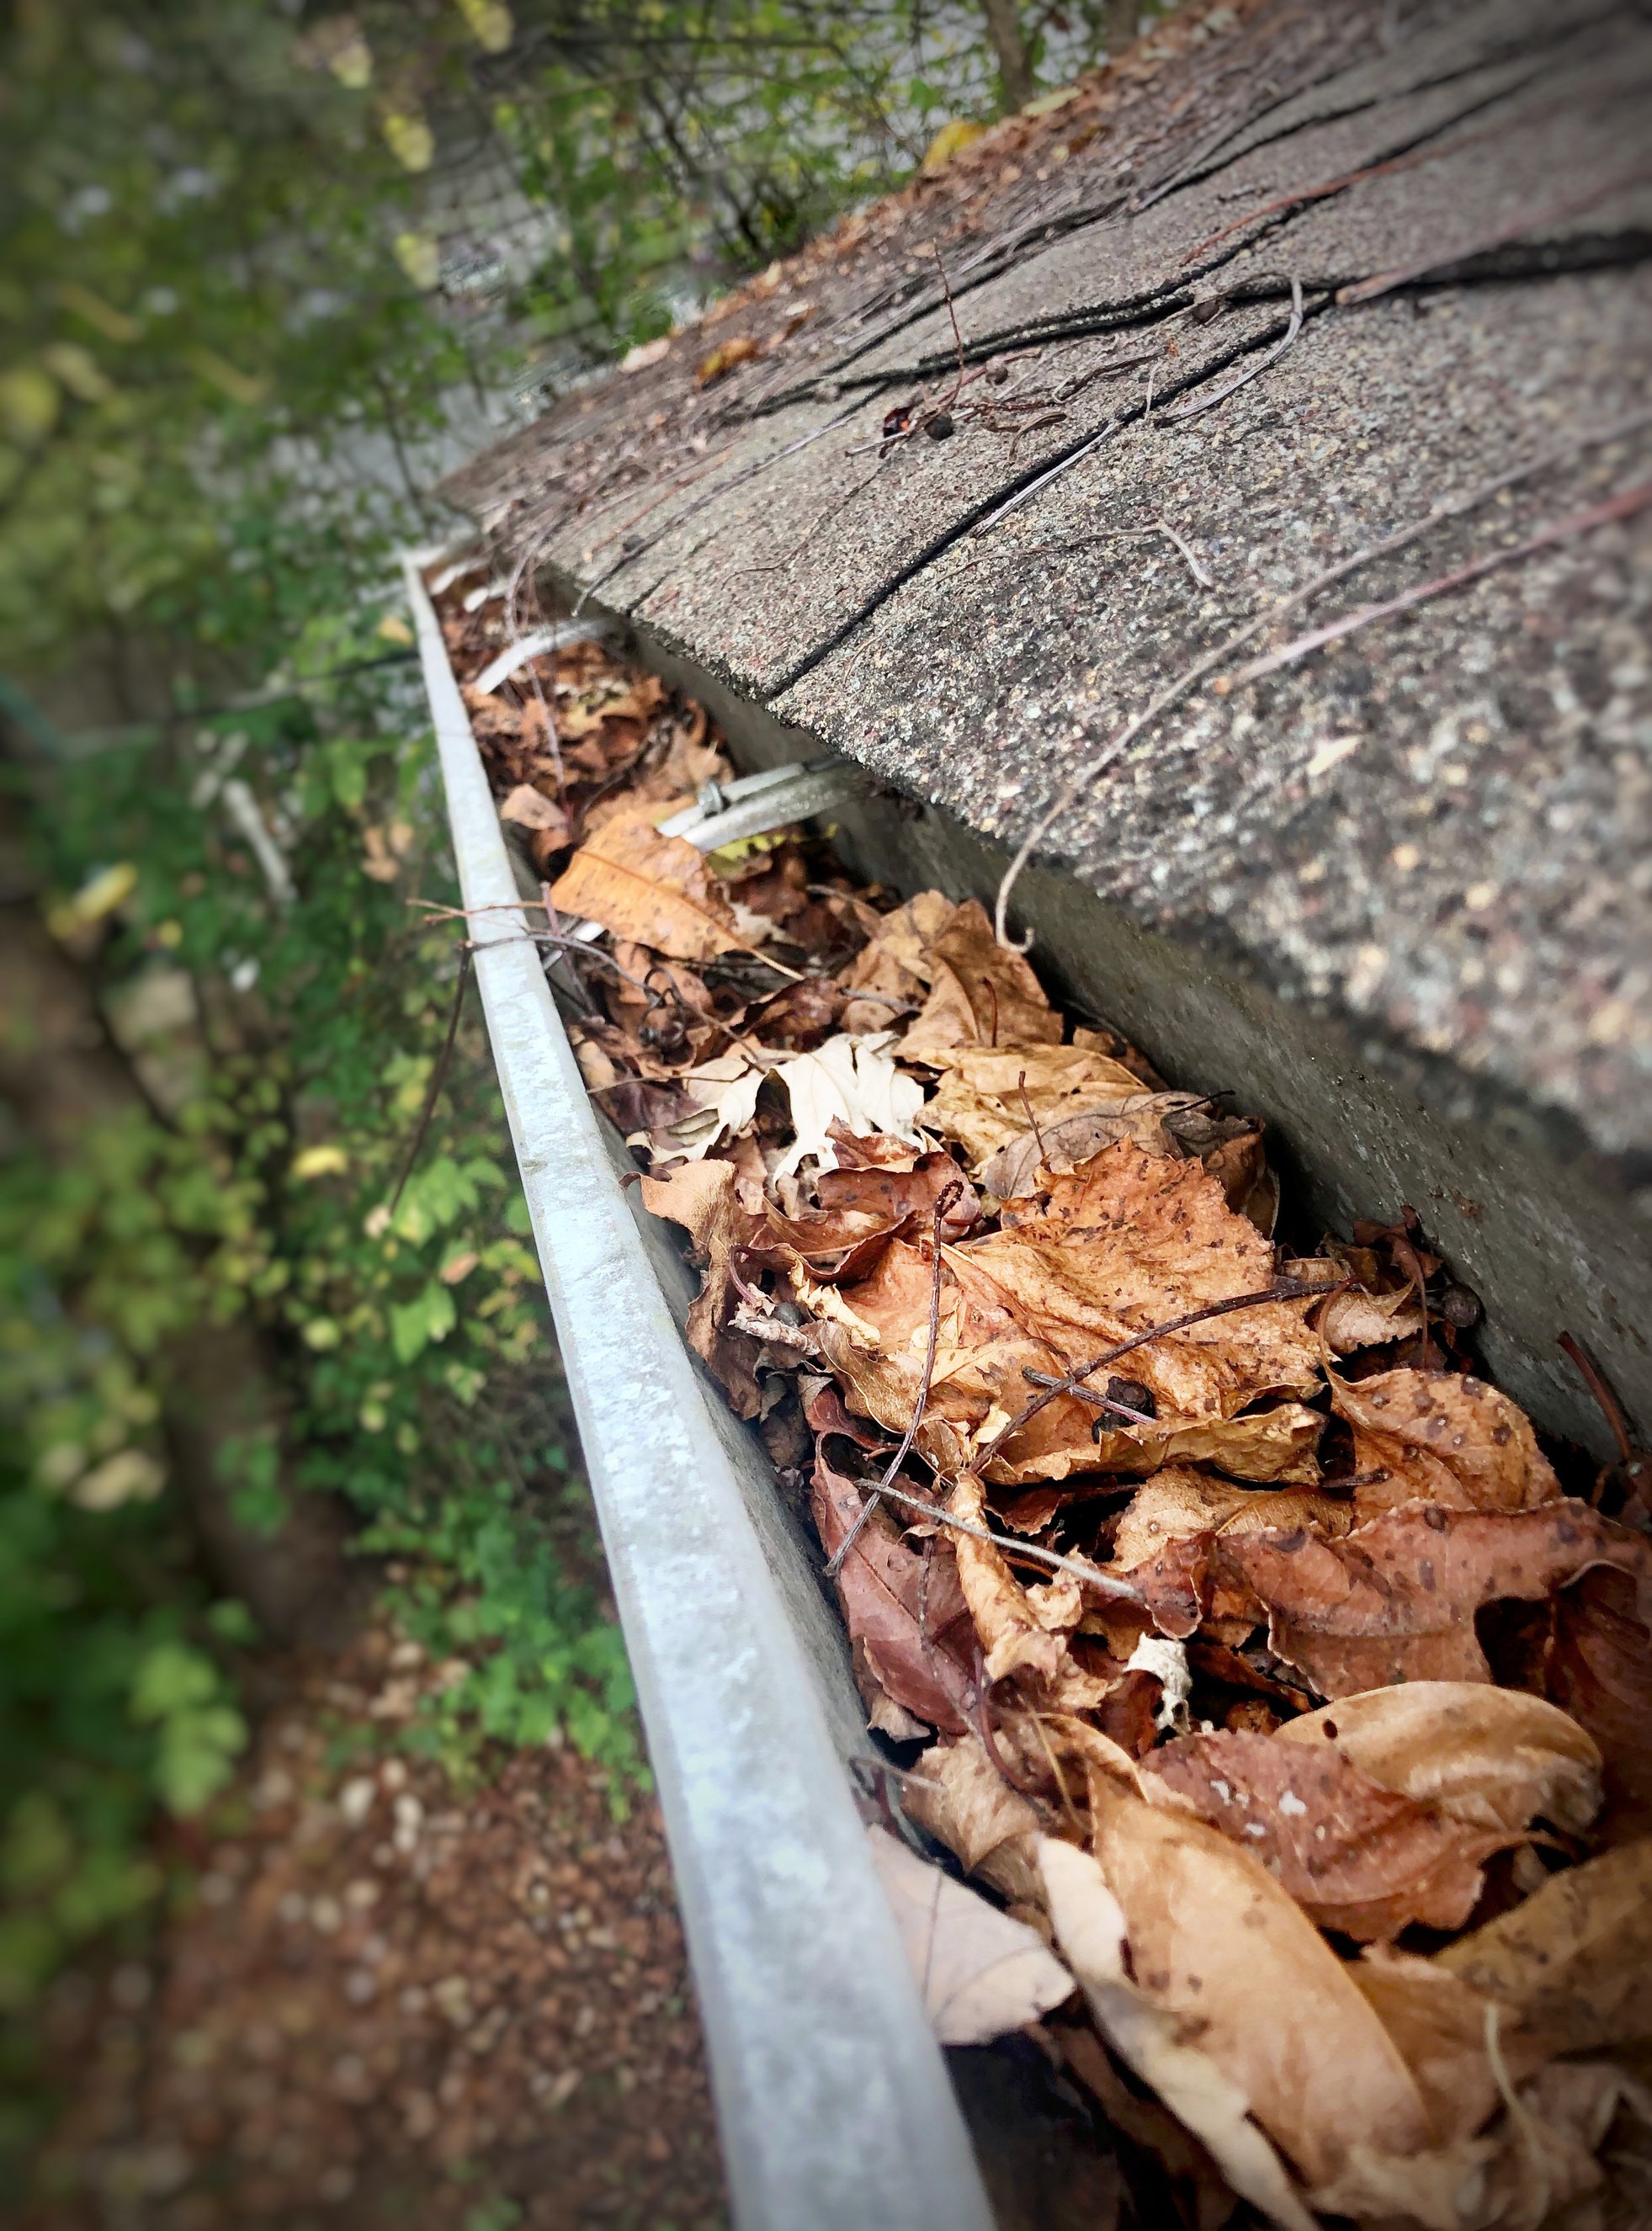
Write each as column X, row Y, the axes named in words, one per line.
column 1021, row 1629
column 981, row 993
column 701, row 1198
column 979, row 1100
column 1437, row 1437
column 1396, row 1599
column 903, row 1605
column 958, row 1795
column 1179, row 1502
column 1572, row 1967
column 1357, row 1857
column 1355, row 1319
column 1549, row 2140
column 1598, row 1668
column 531, row 809
column 1216, row 1942
column 849, row 1083
column 981, row 1973
column 656, row 889
column 1492, row 1758
column 1439, row 2025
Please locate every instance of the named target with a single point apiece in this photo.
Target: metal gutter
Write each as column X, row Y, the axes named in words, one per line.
column 834, row 2103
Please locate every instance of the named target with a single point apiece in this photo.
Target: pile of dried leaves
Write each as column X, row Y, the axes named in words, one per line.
column 1227, row 1626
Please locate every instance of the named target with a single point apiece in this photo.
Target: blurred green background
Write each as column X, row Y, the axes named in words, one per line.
column 266, row 271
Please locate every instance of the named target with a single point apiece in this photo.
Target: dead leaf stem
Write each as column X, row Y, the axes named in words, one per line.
column 944, row 1199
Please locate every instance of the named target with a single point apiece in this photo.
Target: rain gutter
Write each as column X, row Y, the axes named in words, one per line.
column 834, row 2103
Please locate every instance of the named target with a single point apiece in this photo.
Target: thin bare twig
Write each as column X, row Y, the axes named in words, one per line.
column 834, row 1563
column 1032, row 1121
column 957, row 338
column 1282, row 1289
column 437, row 1074
column 1208, row 661
column 1254, row 371
column 1595, row 1381
column 1065, row 465
column 1089, row 1576
column 1624, row 505
column 1194, row 565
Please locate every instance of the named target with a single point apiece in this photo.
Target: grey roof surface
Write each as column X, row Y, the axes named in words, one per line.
column 1435, row 827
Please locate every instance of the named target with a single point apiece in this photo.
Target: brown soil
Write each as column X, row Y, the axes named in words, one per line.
column 387, row 2000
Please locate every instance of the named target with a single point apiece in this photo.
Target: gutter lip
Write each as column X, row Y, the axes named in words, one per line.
column 833, row 2104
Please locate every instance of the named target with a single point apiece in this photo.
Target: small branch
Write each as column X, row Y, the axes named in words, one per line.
column 1089, row 1576
column 1595, row 1381
column 1254, row 371
column 834, row 1563
column 957, row 338
column 1283, row 1289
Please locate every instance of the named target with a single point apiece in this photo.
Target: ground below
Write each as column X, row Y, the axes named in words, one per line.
column 388, row 1998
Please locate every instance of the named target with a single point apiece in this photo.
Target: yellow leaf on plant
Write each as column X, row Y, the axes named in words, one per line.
column 78, row 371
column 114, row 324
column 29, row 402
column 420, row 257
column 240, row 386
column 409, row 138
column 951, row 139
column 492, row 25
column 394, row 629
column 323, row 1162
column 99, row 897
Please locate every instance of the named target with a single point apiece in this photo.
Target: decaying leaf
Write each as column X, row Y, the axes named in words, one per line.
column 1091, row 1929
column 1572, row 1967
column 1357, row 1857
column 1598, row 1668
column 1355, row 1319
column 1396, row 1599
column 958, row 1795
column 981, row 1973
column 700, row 1197
column 656, row 889
column 1021, row 1628
column 1440, row 1437
column 531, row 809
column 1217, row 1943
column 903, row 1605
column 979, row 1101
column 1178, row 1503
column 850, row 1082
column 981, row 993
column 1492, row 1758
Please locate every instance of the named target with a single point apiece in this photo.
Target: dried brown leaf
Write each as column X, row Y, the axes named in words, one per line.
column 1217, row 1943
column 904, row 1605
column 1356, row 1319
column 1395, row 1600
column 655, row 889
column 1598, row 1668
column 1357, row 1857
column 1572, row 1967
column 701, row 1198
column 531, row 809
column 1492, row 1758
column 981, row 993
column 979, row 1103
column 1021, row 1629
column 958, row 1795
column 1442, row 1437
column 1178, row 1503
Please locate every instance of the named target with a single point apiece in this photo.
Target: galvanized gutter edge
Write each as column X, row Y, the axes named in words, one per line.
column 834, row 2103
